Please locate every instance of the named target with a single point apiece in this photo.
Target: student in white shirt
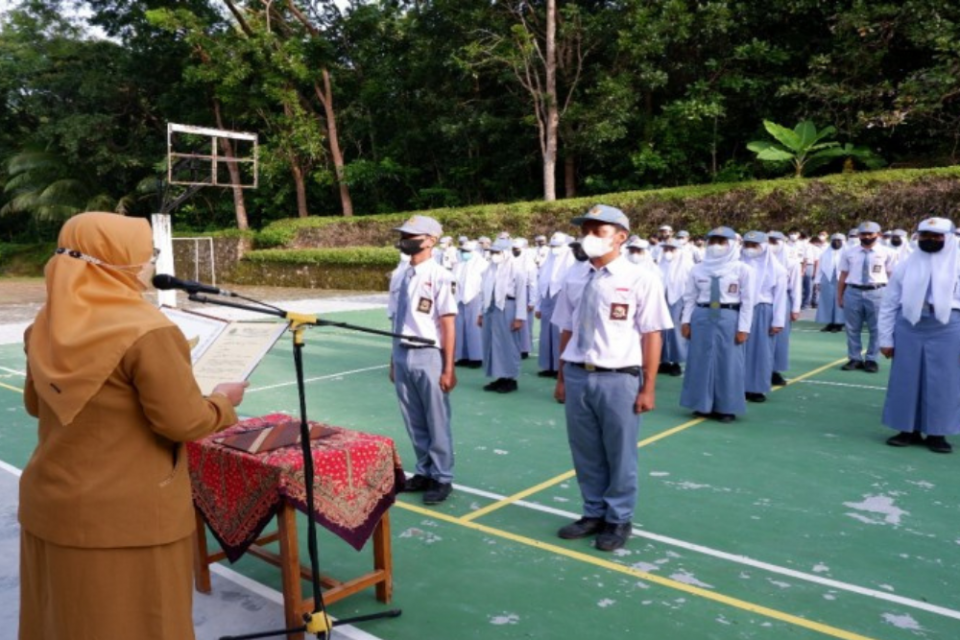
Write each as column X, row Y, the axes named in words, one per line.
column 919, row 328
column 864, row 272
column 422, row 304
column 610, row 316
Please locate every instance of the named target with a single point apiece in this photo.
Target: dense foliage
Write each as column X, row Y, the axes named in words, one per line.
column 430, row 104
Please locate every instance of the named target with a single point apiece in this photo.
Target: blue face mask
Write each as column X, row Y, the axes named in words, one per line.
column 465, row 256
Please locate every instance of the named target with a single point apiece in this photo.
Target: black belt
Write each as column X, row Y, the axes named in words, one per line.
column 633, row 371
column 511, row 297
column 418, row 346
column 714, row 305
column 867, row 287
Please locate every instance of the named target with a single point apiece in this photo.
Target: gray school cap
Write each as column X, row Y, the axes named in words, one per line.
column 776, row 235
column 605, row 214
column 868, row 227
column 758, row 237
column 502, row 244
column 936, row 225
column 683, row 234
column 421, row 225
column 900, row 232
column 723, row 232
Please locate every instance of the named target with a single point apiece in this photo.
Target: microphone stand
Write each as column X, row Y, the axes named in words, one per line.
column 317, row 622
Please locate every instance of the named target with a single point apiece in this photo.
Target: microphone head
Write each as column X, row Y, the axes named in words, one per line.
column 164, row 281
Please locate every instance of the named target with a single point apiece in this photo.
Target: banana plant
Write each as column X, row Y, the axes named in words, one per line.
column 805, row 147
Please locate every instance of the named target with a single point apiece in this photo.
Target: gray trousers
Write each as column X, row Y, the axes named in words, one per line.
column 861, row 307
column 602, row 430
column 425, row 409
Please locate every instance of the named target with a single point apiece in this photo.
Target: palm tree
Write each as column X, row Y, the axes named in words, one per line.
column 40, row 185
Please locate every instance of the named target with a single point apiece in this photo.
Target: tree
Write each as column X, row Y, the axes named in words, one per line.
column 802, row 147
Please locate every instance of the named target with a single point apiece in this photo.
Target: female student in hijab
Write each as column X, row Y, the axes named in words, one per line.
column 919, row 327
column 717, row 317
column 503, row 317
column 105, row 509
column 791, row 262
column 549, row 282
column 769, row 312
column 828, row 312
column 675, row 266
column 468, row 280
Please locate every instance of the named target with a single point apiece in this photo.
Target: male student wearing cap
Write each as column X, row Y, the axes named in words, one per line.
column 864, row 272
column 423, row 304
column 920, row 329
column 610, row 315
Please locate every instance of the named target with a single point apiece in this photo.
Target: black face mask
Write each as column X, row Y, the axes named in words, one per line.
column 517, row 252
column 867, row 241
column 578, row 253
column 836, row 244
column 930, row 246
column 896, row 242
column 410, row 246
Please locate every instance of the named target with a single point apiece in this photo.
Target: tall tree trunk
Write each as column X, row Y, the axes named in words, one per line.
column 569, row 175
column 551, row 107
column 326, row 98
column 239, row 205
column 301, row 186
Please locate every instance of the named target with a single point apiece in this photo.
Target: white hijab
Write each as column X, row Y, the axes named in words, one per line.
column 675, row 273
column 498, row 281
column 724, row 264
column 830, row 260
column 766, row 267
column 934, row 271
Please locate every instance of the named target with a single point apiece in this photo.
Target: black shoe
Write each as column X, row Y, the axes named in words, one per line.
column 837, row 328
column 509, row 385
column 613, row 536
column 827, row 328
column 474, row 364
column 581, row 528
column 705, row 416
column 676, row 370
column 852, row 365
column 870, row 366
column 437, row 493
column 905, row 439
column 938, row 444
column 756, row 397
column 547, row 374
column 725, row 418
column 778, row 380
column 462, row 362
column 665, row 368
column 524, row 355
column 417, row 483
column 495, row 385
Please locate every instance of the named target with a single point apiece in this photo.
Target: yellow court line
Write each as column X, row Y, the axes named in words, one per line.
column 6, row 386
column 479, row 513
column 643, row 575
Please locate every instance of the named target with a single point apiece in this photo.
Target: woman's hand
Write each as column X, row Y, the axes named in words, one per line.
column 232, row 391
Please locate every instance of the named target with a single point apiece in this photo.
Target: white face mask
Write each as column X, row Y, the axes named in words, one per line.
column 823, row 238
column 596, row 247
column 670, row 256
column 753, row 252
column 794, row 237
column 497, row 258
column 718, row 250
column 776, row 249
column 681, row 241
column 556, row 250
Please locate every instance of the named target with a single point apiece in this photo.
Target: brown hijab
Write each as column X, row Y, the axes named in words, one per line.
column 94, row 312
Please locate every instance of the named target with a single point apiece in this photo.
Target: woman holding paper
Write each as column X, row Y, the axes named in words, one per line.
column 105, row 509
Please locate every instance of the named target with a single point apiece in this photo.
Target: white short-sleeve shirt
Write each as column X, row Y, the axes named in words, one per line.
column 881, row 263
column 630, row 302
column 431, row 295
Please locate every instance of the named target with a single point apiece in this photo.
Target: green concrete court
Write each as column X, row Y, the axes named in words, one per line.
column 795, row 522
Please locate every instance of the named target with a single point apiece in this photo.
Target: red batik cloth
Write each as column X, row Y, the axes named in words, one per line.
column 357, row 476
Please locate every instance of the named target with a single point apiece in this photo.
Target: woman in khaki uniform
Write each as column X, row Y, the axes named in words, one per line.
column 105, row 508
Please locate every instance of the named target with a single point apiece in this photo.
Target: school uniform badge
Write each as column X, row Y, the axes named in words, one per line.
column 425, row 305
column 734, row 288
column 619, row 311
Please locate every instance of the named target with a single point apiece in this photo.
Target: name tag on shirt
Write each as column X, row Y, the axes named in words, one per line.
column 453, row 287
column 734, row 288
column 877, row 268
column 425, row 305
column 619, row 311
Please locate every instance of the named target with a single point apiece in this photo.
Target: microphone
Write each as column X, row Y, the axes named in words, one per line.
column 165, row 281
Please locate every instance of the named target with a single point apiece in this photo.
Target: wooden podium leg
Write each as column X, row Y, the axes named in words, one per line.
column 201, row 563
column 290, row 569
column 383, row 558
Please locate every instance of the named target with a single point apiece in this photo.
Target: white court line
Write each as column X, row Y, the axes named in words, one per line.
column 327, row 377
column 739, row 559
column 19, row 373
column 267, row 593
column 842, row 384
